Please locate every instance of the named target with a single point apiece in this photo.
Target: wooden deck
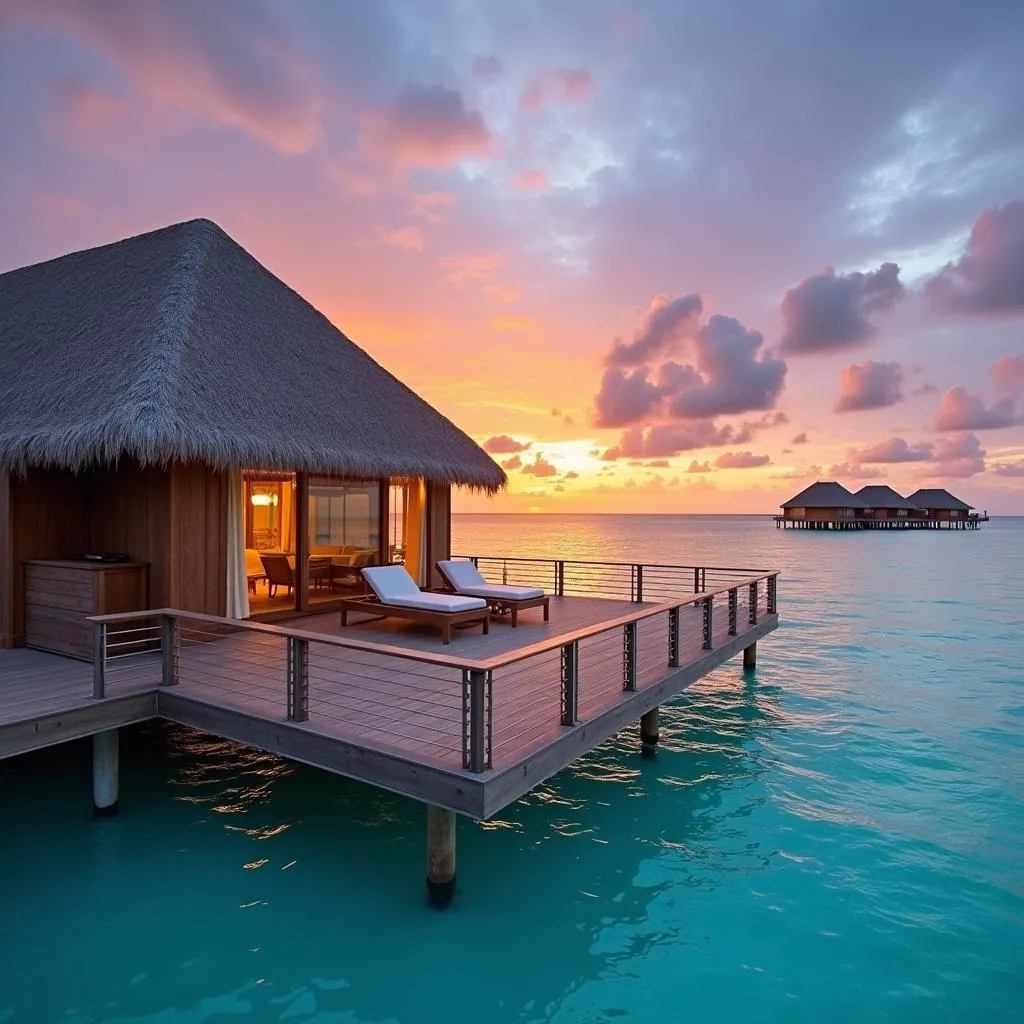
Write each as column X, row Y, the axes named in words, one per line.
column 389, row 707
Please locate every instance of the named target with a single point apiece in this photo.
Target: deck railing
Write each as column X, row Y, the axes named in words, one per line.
column 459, row 711
column 627, row 581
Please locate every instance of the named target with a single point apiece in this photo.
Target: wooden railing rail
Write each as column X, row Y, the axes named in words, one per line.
column 652, row 640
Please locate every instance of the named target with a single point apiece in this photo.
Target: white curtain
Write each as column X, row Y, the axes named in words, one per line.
column 237, row 580
column 416, row 531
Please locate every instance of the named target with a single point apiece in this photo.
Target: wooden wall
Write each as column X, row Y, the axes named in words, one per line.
column 198, row 541
column 173, row 518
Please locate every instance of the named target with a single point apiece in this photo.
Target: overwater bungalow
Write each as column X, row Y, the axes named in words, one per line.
column 825, row 505
column 938, row 508
column 828, row 505
column 886, row 508
column 196, row 468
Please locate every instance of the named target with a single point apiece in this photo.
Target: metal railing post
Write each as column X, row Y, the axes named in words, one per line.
column 629, row 656
column 673, row 638
column 753, row 603
column 560, row 579
column 476, row 687
column 773, row 584
column 570, row 682
column 99, row 660
column 298, row 679
column 170, row 649
column 709, row 636
column 696, row 580
column 734, row 602
column 639, row 584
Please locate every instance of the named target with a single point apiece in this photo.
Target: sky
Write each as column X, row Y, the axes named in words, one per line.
column 654, row 256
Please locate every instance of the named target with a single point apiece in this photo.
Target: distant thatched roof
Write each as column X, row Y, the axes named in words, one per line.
column 825, row 494
column 939, row 498
column 177, row 344
column 881, row 496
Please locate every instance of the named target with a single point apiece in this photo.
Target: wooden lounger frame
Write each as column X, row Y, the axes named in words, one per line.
column 499, row 604
column 370, row 605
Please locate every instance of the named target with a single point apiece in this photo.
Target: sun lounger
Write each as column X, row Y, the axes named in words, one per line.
column 463, row 577
column 395, row 595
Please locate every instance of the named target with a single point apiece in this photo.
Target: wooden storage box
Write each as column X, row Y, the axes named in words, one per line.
column 59, row 595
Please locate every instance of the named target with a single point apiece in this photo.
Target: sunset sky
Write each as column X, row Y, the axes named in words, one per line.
column 655, row 256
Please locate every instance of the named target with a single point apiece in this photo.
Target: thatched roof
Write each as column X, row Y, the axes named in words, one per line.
column 825, row 494
column 177, row 344
column 937, row 498
column 882, row 496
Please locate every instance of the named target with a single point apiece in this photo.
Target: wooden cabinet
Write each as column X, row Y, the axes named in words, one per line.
column 59, row 595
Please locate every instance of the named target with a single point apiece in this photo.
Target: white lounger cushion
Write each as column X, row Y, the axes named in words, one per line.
column 393, row 585
column 466, row 579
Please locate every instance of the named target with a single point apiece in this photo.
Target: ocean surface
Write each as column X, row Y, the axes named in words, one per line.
column 837, row 836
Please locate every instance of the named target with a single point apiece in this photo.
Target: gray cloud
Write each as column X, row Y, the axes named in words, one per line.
column 487, row 67
column 800, row 439
column 665, row 327
column 1009, row 468
column 830, row 312
column 989, row 277
column 735, row 379
column 626, row 397
column 425, row 126
column 869, row 386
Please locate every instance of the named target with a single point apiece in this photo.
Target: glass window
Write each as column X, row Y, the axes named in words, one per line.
column 269, row 506
column 344, row 535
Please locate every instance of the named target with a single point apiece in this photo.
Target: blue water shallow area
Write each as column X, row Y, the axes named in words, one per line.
column 835, row 836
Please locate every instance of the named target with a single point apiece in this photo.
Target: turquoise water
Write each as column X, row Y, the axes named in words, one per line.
column 837, row 835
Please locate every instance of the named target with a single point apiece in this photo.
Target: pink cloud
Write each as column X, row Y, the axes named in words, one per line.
column 530, row 181
column 1008, row 373
column 425, row 126
column 960, row 411
column 741, row 460
column 540, row 467
column 409, row 239
column 202, row 60
column 700, row 467
column 502, row 444
column 88, row 114
column 894, row 450
column 430, row 204
column 1009, row 468
column 989, row 277
column 514, row 463
column 800, row 439
column 958, row 455
column 556, row 86
column 854, row 471
column 869, row 386
column 472, row 267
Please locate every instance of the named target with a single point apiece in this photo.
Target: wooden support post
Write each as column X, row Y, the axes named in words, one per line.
column 104, row 773
column 99, row 660
column 170, row 647
column 750, row 657
column 440, row 856
column 649, row 728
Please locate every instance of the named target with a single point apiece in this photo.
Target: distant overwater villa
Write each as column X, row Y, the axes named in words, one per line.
column 217, row 510
column 827, row 505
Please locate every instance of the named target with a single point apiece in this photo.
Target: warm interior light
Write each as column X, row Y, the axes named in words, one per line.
column 260, row 499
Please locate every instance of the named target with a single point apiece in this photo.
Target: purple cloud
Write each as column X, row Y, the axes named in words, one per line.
column 667, row 324
column 700, row 467
column 487, row 67
column 853, row 471
column 800, row 439
column 959, row 455
column 1008, row 373
column 556, row 85
column 869, row 386
column 626, row 397
column 1009, row 468
column 894, row 450
column 959, row 410
column 989, row 277
column 502, row 444
column 736, row 376
column 741, row 460
column 831, row 313
column 425, row 126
